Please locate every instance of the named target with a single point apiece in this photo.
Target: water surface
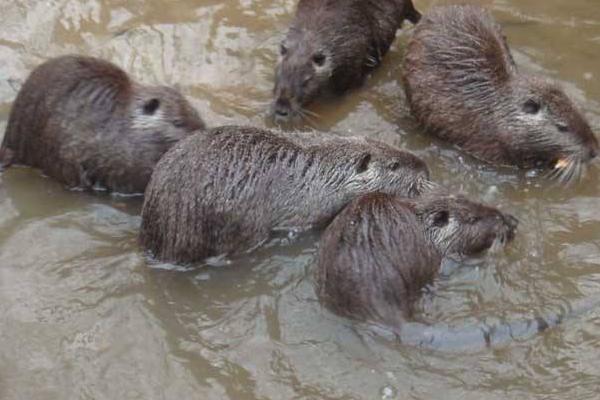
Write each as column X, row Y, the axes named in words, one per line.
column 83, row 315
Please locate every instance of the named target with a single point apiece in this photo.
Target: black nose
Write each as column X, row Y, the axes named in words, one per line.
column 282, row 108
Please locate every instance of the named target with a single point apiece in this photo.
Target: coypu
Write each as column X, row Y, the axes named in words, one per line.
column 380, row 252
column 331, row 46
column 225, row 190
column 82, row 121
column 464, row 87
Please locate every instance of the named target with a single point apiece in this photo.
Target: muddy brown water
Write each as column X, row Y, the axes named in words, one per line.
column 83, row 315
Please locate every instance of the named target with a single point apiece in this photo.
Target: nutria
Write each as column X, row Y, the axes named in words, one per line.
column 464, row 87
column 379, row 253
column 82, row 121
column 331, row 46
column 225, row 190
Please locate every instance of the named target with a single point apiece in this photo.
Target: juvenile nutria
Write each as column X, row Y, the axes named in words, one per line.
column 225, row 190
column 464, row 87
column 379, row 253
column 82, row 121
column 330, row 47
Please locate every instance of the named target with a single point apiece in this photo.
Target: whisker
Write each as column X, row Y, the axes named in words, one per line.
column 311, row 113
column 306, row 118
column 569, row 170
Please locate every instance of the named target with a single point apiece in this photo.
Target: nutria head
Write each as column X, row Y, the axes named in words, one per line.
column 547, row 128
column 164, row 113
column 305, row 68
column 462, row 227
column 159, row 117
column 376, row 166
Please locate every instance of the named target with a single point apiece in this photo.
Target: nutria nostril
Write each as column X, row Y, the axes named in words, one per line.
column 593, row 153
column 282, row 108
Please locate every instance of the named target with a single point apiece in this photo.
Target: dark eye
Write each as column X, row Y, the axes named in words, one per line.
column 440, row 218
column 363, row 163
column 282, row 49
column 151, row 106
column 394, row 166
column 319, row 59
column 562, row 127
column 531, row 107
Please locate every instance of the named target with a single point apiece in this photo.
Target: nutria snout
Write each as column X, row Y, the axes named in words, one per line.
column 225, row 190
column 330, row 47
column 84, row 122
column 464, row 87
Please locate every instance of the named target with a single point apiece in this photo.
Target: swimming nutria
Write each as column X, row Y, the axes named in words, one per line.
column 225, row 190
column 330, row 47
column 379, row 253
column 464, row 87
column 82, row 121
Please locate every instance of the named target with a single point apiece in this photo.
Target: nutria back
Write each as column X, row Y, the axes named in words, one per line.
column 330, row 47
column 464, row 87
column 225, row 190
column 84, row 122
column 381, row 251
column 374, row 260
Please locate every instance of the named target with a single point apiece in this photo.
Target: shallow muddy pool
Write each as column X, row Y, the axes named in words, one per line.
column 83, row 315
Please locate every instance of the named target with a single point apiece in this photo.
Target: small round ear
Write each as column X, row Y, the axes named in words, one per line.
column 363, row 163
column 440, row 218
column 151, row 106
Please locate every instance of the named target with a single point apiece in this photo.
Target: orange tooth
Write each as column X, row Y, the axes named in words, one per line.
column 562, row 163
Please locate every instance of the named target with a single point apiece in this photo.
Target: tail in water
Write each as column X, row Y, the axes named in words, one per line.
column 480, row 336
column 411, row 12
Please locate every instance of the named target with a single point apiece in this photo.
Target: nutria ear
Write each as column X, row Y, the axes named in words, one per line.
column 151, row 106
column 6, row 157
